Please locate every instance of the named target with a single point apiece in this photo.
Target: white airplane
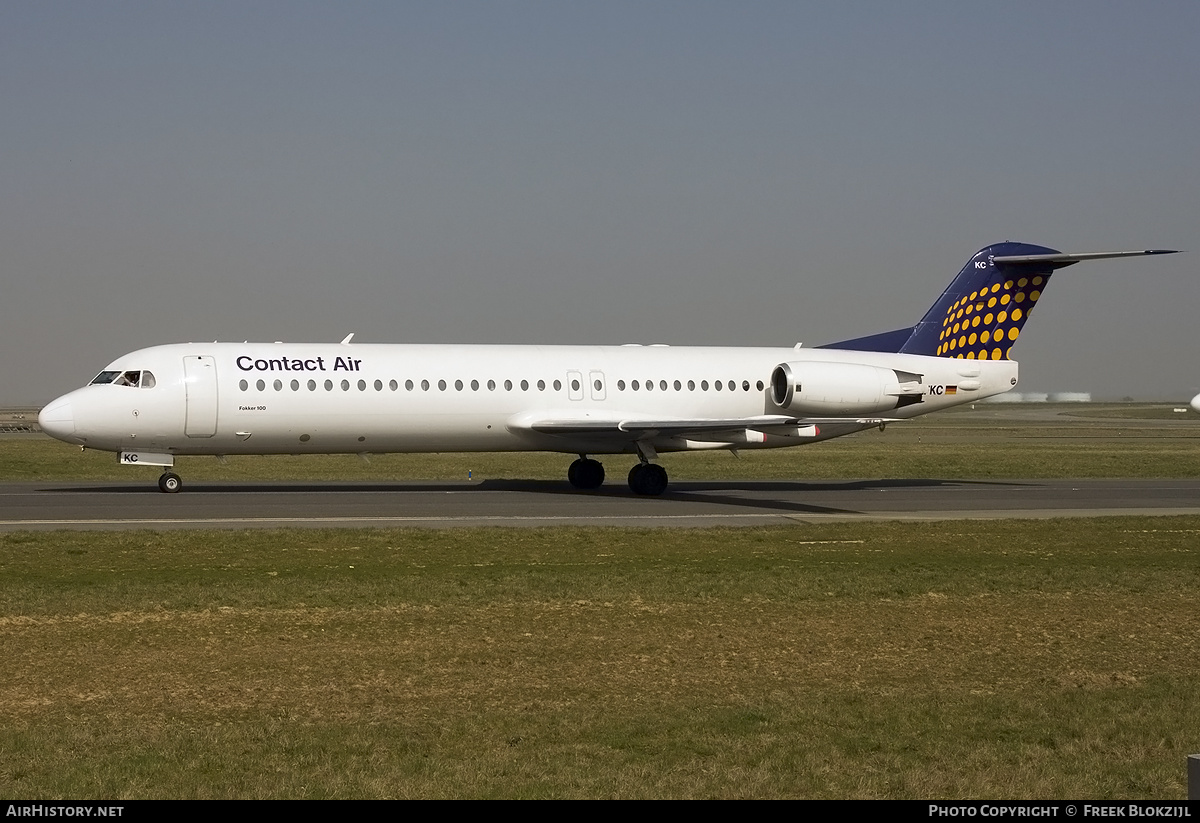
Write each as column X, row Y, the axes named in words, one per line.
column 343, row 398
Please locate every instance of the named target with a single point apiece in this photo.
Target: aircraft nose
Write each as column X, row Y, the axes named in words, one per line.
column 57, row 419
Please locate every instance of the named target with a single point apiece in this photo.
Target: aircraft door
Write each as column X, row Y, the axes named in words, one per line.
column 200, row 387
column 596, row 381
column 575, row 385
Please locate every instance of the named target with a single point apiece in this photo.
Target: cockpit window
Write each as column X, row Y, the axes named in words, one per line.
column 144, row 379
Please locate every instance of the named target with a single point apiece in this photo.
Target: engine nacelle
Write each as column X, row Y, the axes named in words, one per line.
column 822, row 389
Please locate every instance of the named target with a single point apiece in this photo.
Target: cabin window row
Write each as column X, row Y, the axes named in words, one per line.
column 678, row 385
column 541, row 385
column 409, row 385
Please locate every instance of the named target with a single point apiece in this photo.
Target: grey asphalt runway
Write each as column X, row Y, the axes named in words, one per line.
column 112, row 505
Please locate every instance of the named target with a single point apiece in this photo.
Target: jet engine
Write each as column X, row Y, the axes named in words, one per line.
column 821, row 389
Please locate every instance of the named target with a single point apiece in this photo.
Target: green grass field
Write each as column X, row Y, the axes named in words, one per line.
column 1010, row 659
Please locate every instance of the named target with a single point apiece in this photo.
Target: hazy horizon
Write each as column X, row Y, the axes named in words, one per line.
column 532, row 172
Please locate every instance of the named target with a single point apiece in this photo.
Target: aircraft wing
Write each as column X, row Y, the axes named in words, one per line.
column 636, row 428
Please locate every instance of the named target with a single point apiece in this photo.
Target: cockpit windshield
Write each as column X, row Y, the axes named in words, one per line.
column 144, row 379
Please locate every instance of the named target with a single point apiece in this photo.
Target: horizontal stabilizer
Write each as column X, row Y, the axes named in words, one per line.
column 1068, row 259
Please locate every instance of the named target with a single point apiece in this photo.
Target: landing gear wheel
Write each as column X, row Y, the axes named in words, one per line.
column 634, row 474
column 586, row 474
column 648, row 479
column 169, row 483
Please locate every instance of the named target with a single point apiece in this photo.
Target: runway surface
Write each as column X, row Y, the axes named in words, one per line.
column 111, row 505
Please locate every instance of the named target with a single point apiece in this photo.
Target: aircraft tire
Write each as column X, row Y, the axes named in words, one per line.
column 593, row 474
column 649, row 479
column 170, row 483
column 586, row 474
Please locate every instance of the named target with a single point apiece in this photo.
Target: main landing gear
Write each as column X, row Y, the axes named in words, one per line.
column 644, row 478
column 648, row 478
column 169, row 482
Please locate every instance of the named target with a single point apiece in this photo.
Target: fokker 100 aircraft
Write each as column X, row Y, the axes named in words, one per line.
column 285, row 398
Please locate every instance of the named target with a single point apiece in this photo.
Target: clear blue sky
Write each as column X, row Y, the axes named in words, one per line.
column 537, row 172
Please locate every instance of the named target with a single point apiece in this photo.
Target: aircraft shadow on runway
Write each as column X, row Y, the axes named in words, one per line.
column 708, row 492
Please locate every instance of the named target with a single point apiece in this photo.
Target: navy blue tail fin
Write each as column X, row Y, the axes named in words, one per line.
column 981, row 313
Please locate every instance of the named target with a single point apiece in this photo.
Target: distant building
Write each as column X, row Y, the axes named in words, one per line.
column 1042, row 397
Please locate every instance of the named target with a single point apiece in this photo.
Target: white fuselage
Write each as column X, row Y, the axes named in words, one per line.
column 255, row 398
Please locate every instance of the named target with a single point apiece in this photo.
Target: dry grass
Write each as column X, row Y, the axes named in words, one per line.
column 1050, row 659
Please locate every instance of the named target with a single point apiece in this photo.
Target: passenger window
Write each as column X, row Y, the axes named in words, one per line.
column 524, row 385
column 408, row 385
column 760, row 385
column 242, row 384
column 312, row 385
column 717, row 385
column 598, row 385
column 362, row 385
column 278, row 385
column 474, row 385
column 635, row 385
column 691, row 385
column 558, row 385
column 345, row 385
column 458, row 385
column 678, row 386
column 441, row 385
column 379, row 385
column 260, row 385
column 328, row 385
column 491, row 385
column 704, row 385
column 541, row 385
column 620, row 385
column 745, row 385
column 295, row 385
column 424, row 385
column 662, row 384
column 508, row 385
column 649, row 385
column 732, row 386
